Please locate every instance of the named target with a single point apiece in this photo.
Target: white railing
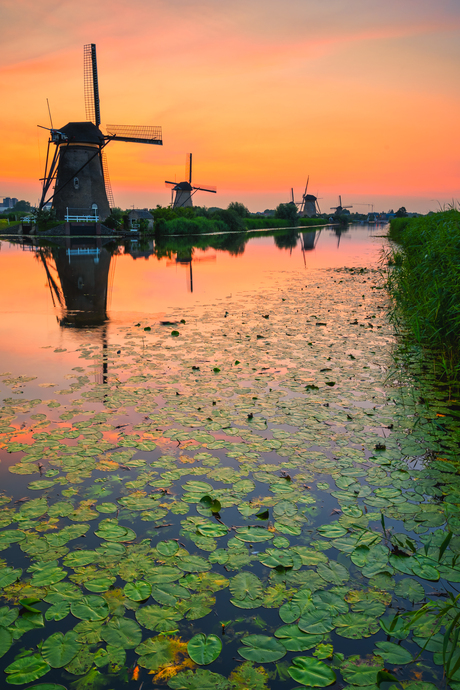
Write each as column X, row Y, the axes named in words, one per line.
column 84, row 251
column 27, row 219
column 81, row 219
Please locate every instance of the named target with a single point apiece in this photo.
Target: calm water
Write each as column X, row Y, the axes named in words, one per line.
column 48, row 295
column 214, row 440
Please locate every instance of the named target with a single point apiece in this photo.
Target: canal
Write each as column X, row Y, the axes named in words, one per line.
column 216, row 473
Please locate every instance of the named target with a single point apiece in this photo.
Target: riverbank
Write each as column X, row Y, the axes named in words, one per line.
column 424, row 283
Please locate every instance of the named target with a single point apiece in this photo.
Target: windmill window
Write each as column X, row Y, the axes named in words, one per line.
column 76, row 183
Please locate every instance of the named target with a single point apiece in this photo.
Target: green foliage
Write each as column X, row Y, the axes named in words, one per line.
column 238, row 208
column 425, row 284
column 287, row 212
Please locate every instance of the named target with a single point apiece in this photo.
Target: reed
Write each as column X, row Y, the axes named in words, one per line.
column 424, row 283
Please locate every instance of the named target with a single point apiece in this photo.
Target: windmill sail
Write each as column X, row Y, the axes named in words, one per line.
column 92, row 106
column 134, row 133
column 188, row 167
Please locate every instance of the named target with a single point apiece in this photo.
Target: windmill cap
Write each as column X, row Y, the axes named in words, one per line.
column 310, row 197
column 83, row 132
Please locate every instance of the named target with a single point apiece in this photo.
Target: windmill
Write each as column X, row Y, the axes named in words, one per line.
column 309, row 205
column 185, row 190
column 78, row 167
column 339, row 209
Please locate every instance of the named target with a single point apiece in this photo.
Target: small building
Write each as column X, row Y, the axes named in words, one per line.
column 138, row 214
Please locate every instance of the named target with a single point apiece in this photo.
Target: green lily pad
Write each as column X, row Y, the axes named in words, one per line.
column 289, row 612
column 253, row 535
column 138, row 591
column 316, row 621
column 408, row 588
column 78, row 559
column 167, row 548
column 311, row 672
column 6, row 639
column 361, row 673
column 294, row 640
column 9, row 575
column 261, row 649
column 393, row 653
column 59, row 650
column 100, row 584
column 26, row 669
column 355, row 626
column 212, row 530
column 122, row 632
column 110, row 530
column 203, row 649
column 158, row 618
column 90, row 608
column 332, row 531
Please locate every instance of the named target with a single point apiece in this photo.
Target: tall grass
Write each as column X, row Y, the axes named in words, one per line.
column 424, row 282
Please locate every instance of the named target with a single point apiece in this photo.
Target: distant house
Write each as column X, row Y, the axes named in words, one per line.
column 138, row 214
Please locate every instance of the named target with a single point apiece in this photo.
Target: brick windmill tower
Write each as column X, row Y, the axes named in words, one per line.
column 77, row 168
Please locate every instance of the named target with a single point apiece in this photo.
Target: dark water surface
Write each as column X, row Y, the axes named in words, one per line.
column 217, row 442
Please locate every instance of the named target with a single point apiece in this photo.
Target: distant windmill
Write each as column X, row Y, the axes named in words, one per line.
column 185, row 190
column 309, row 205
column 339, row 209
column 78, row 167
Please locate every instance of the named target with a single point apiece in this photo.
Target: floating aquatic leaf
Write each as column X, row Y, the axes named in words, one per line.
column 167, row 548
column 158, row 618
column 100, row 584
column 393, row 653
column 261, row 649
column 203, row 649
column 9, row 575
column 408, row 588
column 289, row 612
column 362, row 672
column 316, row 621
column 253, row 534
column 311, row 672
column 48, row 576
column 6, row 639
column 355, row 625
column 212, row 529
column 26, row 669
column 332, row 531
column 58, row 650
column 110, row 530
column 122, row 632
column 201, row 679
column 155, row 652
column 90, row 608
column 138, row 591
column 295, row 640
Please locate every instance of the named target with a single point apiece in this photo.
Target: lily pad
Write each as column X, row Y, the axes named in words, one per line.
column 90, row 608
column 58, row 650
column 26, row 669
column 203, row 649
column 261, row 649
column 311, row 672
column 122, row 632
column 138, row 591
column 393, row 653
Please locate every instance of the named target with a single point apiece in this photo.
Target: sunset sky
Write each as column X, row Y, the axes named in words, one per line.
column 361, row 95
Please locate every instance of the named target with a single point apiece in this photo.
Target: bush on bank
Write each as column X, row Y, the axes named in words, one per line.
column 424, row 283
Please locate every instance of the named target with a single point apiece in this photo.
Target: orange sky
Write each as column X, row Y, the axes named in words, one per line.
column 359, row 94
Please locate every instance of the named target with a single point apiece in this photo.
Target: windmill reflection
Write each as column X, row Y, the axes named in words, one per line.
column 185, row 258
column 78, row 276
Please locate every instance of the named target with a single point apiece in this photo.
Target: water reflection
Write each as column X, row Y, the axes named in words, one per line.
column 78, row 278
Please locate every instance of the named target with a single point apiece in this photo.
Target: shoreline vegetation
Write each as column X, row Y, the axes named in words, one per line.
column 424, row 284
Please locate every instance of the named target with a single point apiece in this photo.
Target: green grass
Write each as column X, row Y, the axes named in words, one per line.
column 424, row 282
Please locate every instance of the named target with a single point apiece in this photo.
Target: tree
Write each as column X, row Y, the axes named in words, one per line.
column 287, row 212
column 401, row 212
column 22, row 207
column 239, row 208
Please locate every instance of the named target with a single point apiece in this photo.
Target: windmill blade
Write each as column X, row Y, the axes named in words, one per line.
column 292, row 195
column 171, row 185
column 306, row 186
column 204, row 189
column 188, row 167
column 136, row 134
column 108, row 186
column 92, row 106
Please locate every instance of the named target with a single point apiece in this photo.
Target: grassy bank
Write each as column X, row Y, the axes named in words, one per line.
column 424, row 282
